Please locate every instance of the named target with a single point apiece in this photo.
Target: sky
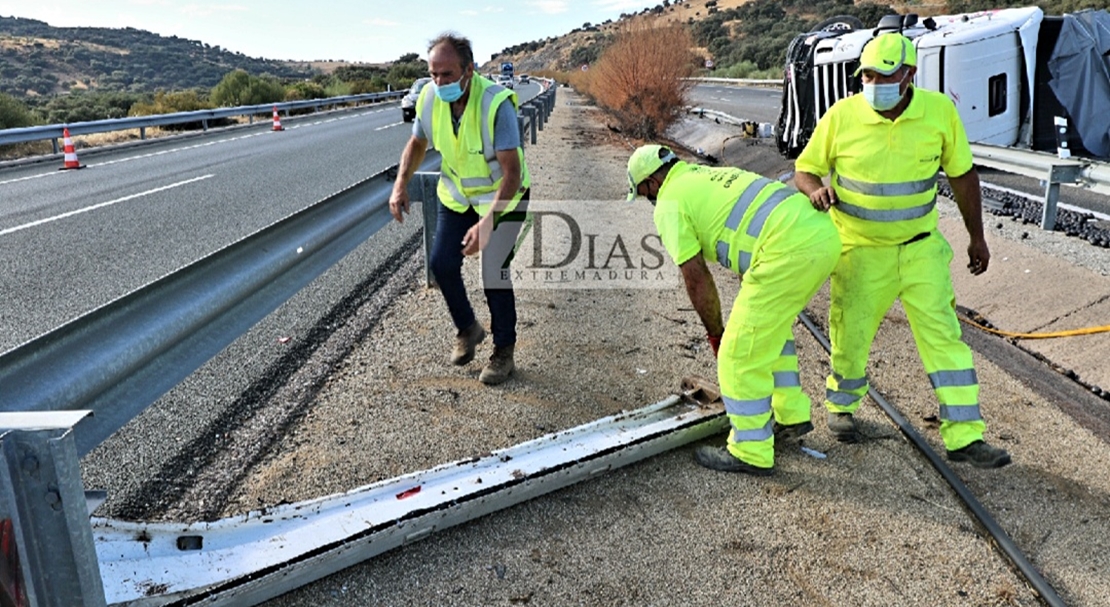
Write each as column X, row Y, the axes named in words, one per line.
column 372, row 31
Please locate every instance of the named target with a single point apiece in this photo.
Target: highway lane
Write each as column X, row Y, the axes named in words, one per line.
column 760, row 104
column 74, row 240
column 71, row 241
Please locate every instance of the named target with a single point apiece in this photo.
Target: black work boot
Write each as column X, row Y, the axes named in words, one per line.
column 791, row 432
column 718, row 458
column 843, row 426
column 465, row 342
column 980, row 455
column 500, row 366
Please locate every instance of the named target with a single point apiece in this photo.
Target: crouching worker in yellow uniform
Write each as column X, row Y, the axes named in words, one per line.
column 783, row 249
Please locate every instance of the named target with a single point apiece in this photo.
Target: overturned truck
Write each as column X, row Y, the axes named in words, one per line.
column 1010, row 72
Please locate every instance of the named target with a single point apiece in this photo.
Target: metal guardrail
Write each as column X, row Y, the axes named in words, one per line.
column 240, row 560
column 54, row 131
column 115, row 361
column 63, row 393
column 119, row 358
column 536, row 110
column 739, row 81
column 1085, row 173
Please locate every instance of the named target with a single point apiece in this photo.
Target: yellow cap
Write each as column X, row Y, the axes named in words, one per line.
column 886, row 53
column 644, row 161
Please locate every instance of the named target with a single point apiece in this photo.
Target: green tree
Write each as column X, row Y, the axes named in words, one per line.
column 240, row 88
column 14, row 114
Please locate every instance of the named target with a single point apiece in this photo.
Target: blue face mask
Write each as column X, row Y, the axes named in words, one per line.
column 451, row 92
column 882, row 97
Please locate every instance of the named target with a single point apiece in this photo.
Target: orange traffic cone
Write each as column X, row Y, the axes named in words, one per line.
column 277, row 121
column 71, row 161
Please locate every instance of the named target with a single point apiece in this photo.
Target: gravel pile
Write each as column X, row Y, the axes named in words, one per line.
column 1017, row 207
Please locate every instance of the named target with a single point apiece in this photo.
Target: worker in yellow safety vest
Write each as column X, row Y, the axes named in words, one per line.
column 783, row 249
column 483, row 180
column 884, row 148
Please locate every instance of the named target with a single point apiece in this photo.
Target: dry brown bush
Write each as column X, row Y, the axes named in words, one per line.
column 640, row 78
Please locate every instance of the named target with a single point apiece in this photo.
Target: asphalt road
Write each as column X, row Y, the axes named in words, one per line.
column 759, row 104
column 71, row 241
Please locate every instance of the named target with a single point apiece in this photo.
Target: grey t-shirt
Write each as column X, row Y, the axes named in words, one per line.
column 506, row 132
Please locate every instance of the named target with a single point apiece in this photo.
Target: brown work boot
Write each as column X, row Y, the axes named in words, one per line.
column 500, row 366
column 465, row 342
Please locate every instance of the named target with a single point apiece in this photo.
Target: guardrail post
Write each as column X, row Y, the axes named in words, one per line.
column 422, row 187
column 54, row 142
column 530, row 116
column 204, row 124
column 1056, row 175
column 520, row 125
column 1051, row 196
column 48, row 557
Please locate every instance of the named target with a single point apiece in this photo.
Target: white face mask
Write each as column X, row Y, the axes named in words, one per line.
column 882, row 97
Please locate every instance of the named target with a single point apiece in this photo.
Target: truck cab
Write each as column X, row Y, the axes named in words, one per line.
column 986, row 63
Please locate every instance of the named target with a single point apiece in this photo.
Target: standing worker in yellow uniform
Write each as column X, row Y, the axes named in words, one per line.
column 884, row 148
column 783, row 250
column 483, row 179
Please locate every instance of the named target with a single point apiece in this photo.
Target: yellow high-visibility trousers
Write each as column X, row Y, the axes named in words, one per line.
column 757, row 365
column 864, row 285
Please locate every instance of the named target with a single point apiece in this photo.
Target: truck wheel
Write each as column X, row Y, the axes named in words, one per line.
column 839, row 23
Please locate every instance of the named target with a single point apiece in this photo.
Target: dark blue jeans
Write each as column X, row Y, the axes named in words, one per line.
column 446, row 262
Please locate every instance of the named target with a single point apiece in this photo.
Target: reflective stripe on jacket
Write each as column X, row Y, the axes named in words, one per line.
column 469, row 173
column 884, row 172
column 726, row 214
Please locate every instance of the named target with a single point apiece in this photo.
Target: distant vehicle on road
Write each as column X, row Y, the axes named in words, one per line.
column 524, row 78
column 505, row 81
column 408, row 102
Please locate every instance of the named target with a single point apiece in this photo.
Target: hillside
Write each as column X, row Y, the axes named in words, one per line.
column 727, row 31
column 37, row 59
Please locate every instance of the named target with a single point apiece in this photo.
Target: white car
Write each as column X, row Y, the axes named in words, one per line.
column 408, row 102
column 505, row 80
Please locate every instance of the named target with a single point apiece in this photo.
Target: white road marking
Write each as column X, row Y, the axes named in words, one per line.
column 31, row 177
column 382, row 128
column 101, row 205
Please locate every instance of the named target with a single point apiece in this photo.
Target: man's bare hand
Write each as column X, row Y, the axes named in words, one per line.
column 979, row 257
column 398, row 204
column 477, row 237
column 823, row 198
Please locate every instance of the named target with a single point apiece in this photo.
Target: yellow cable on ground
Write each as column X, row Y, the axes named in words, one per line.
column 1072, row 332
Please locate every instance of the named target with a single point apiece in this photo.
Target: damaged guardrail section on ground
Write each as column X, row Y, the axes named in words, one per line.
column 63, row 393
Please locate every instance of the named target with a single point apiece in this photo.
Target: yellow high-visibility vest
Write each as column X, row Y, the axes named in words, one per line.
column 725, row 214
column 885, row 172
column 470, row 173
